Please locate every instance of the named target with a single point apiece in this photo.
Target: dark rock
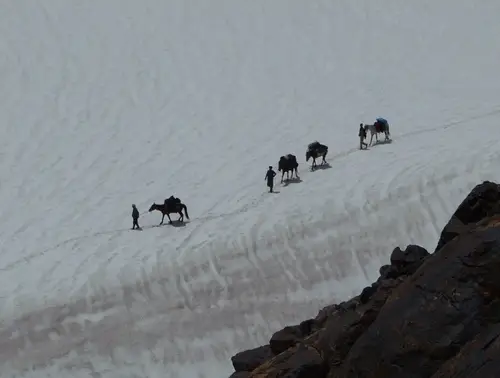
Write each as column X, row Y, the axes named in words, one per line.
column 248, row 360
column 389, row 272
column 325, row 313
column 403, row 262
column 367, row 293
column 384, row 271
column 285, row 338
column 478, row 359
column 482, row 202
column 342, row 331
column 412, row 255
column 306, row 327
column 301, row 361
column 289, row 336
column 432, row 314
column 240, row 374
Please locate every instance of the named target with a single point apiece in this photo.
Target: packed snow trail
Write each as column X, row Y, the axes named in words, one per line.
column 105, row 105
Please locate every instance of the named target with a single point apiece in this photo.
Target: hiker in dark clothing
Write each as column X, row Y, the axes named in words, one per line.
column 135, row 217
column 362, row 137
column 270, row 178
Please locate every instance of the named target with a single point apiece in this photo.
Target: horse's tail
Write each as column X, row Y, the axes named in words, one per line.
column 185, row 210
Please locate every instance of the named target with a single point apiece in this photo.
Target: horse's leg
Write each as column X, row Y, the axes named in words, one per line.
column 371, row 137
column 169, row 219
column 324, row 160
column 162, row 218
column 181, row 217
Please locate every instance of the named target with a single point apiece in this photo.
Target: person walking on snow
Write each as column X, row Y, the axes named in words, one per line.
column 362, row 136
column 135, row 217
column 270, row 178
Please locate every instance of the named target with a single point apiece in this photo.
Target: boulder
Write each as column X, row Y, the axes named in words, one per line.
column 412, row 256
column 248, row 360
column 300, row 361
column 289, row 336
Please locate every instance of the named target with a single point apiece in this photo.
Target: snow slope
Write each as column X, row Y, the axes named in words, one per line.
column 105, row 104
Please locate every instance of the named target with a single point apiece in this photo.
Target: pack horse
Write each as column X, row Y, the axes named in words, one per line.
column 380, row 126
column 288, row 164
column 314, row 151
column 169, row 207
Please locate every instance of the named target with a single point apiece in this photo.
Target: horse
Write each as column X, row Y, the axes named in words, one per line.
column 316, row 150
column 167, row 210
column 288, row 164
column 378, row 127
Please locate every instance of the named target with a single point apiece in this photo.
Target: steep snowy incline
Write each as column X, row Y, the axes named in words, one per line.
column 105, row 105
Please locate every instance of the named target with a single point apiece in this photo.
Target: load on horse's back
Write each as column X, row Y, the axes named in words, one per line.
column 172, row 202
column 313, row 146
column 315, row 150
column 381, row 124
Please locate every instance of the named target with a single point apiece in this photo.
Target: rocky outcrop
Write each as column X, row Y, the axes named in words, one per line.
column 481, row 203
column 248, row 360
column 426, row 315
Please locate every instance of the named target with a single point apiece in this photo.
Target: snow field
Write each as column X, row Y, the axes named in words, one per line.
column 105, row 105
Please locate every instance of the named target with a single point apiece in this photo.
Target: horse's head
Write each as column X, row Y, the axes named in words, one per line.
column 308, row 154
column 153, row 207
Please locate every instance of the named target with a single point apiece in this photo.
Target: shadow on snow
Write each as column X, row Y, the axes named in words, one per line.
column 175, row 223
column 294, row 180
column 379, row 142
column 320, row 167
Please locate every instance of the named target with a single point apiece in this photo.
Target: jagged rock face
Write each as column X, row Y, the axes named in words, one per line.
column 478, row 359
column 482, row 202
column 427, row 316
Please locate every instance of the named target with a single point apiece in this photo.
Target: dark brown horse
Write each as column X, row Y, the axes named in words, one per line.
column 316, row 150
column 169, row 209
column 288, row 164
